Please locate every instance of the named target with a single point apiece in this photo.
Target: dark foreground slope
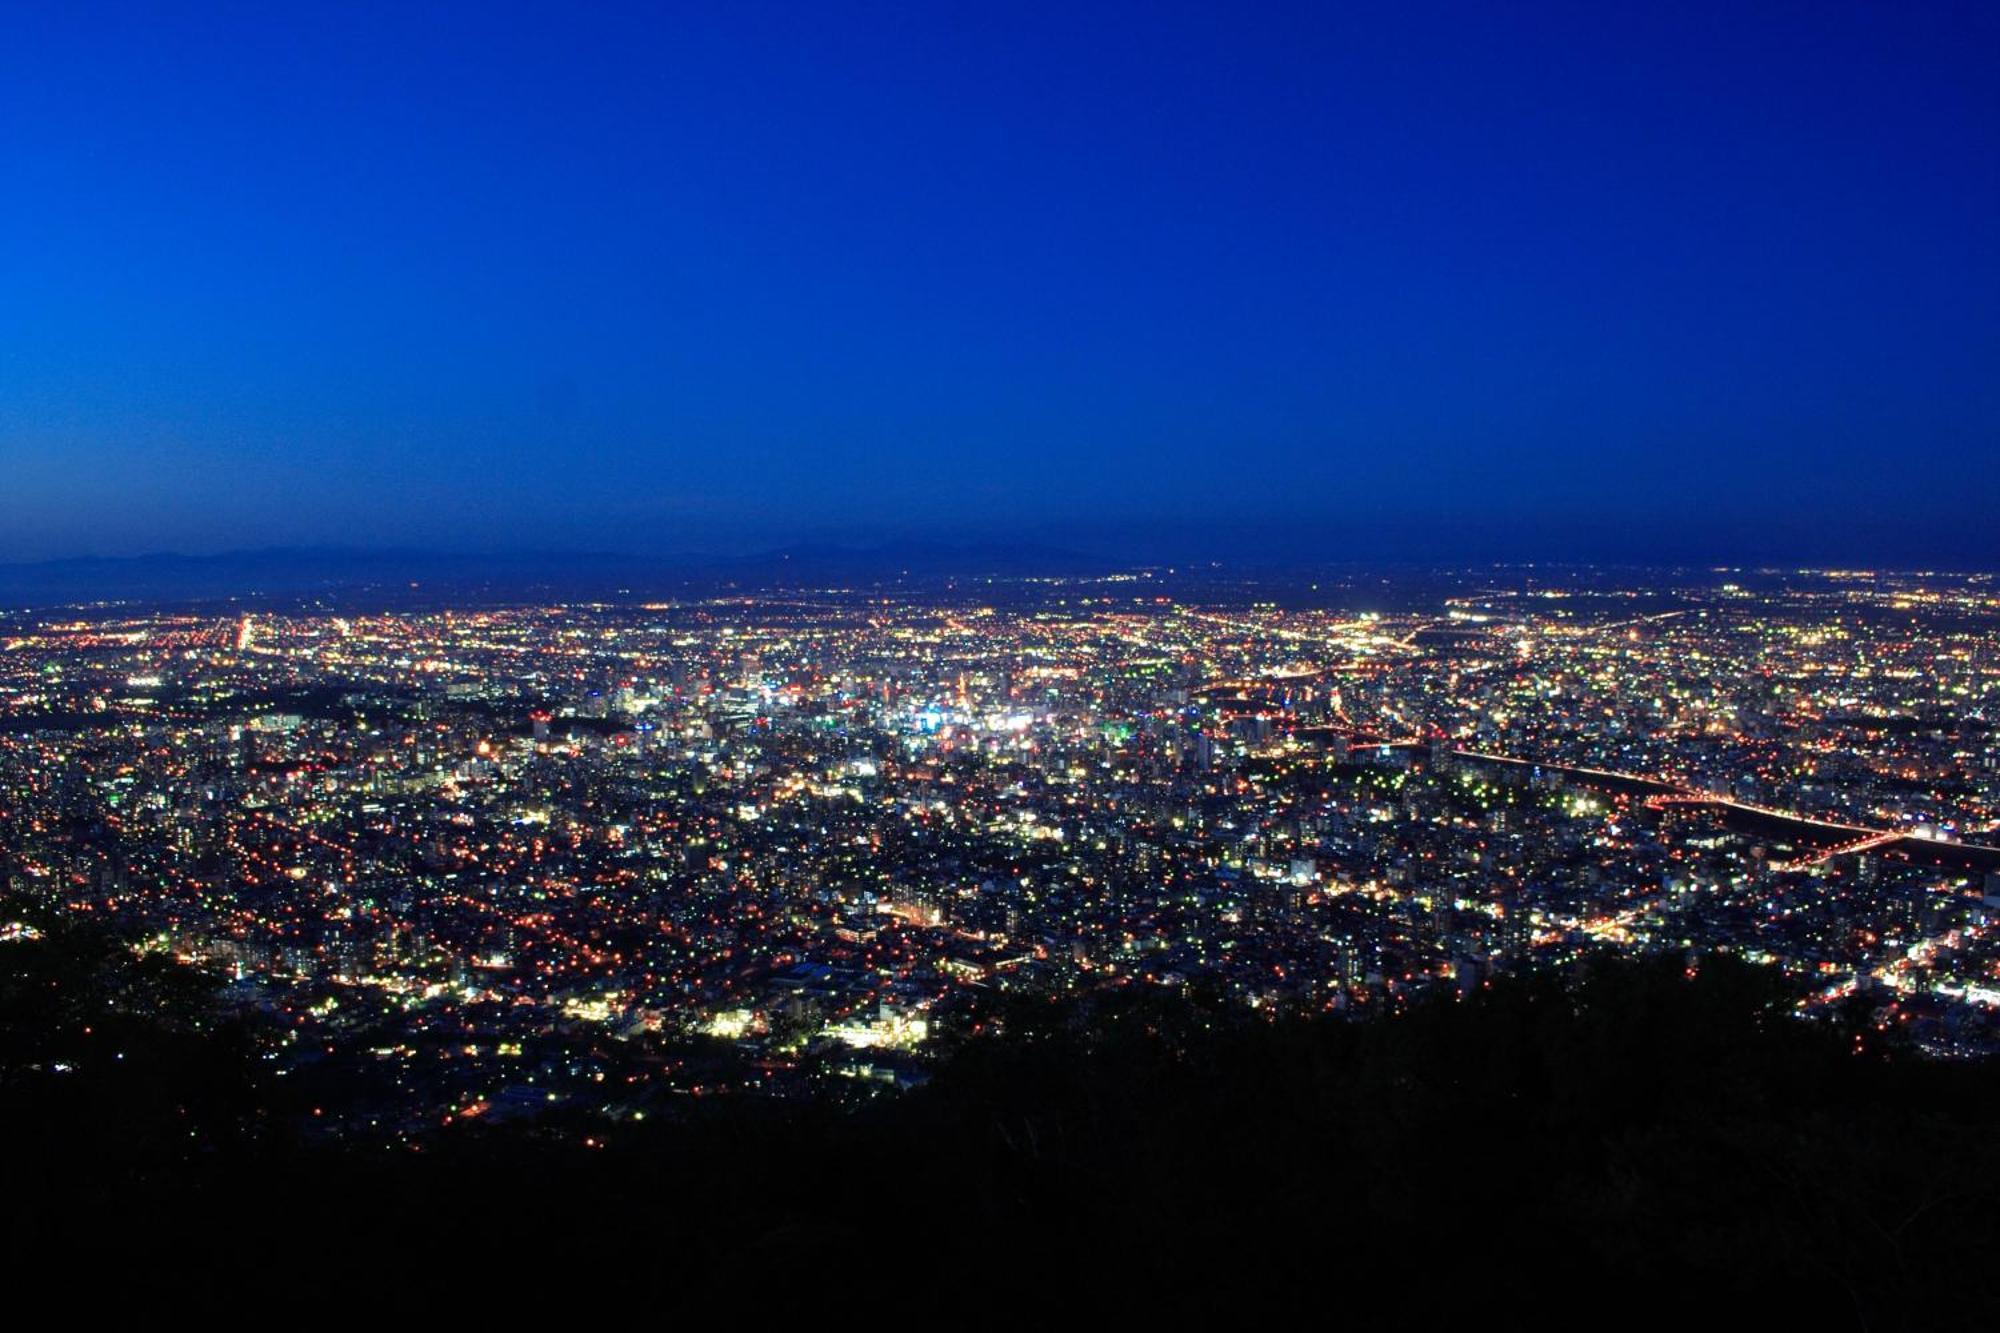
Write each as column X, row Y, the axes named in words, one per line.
column 1622, row 1144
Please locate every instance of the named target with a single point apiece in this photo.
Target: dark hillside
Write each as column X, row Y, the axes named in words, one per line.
column 1633, row 1139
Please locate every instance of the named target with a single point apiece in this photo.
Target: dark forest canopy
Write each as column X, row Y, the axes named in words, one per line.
column 1631, row 1137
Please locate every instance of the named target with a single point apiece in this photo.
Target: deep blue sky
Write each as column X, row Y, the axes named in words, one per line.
column 1506, row 279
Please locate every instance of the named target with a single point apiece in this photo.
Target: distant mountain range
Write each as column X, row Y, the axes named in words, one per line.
column 401, row 574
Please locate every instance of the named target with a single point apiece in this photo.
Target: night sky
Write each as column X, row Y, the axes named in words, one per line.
column 1483, row 281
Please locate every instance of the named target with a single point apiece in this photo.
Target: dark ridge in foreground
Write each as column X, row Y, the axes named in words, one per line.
column 1630, row 1140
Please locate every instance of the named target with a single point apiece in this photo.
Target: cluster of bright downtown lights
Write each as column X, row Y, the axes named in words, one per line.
column 597, row 855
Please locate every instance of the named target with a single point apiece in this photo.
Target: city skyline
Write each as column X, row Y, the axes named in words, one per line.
column 974, row 663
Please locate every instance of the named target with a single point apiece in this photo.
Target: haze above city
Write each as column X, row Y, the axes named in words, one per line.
column 1712, row 283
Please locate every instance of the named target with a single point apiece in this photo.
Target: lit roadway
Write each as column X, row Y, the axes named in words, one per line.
column 1863, row 837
